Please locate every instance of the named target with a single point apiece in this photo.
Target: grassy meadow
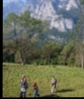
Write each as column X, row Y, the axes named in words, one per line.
column 70, row 80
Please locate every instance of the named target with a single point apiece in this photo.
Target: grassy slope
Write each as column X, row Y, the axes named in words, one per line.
column 70, row 80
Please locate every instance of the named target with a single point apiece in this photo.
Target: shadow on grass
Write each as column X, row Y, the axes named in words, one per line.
column 58, row 91
column 65, row 90
column 51, row 95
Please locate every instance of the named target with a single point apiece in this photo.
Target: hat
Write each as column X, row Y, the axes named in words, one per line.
column 23, row 76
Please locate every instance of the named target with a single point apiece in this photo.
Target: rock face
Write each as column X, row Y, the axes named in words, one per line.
column 62, row 14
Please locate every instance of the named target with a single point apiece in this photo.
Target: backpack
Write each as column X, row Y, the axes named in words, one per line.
column 26, row 84
column 54, row 81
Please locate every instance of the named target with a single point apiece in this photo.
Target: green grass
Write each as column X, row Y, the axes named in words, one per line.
column 70, row 80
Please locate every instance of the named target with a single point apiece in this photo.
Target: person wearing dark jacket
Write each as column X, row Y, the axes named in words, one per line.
column 24, row 86
column 35, row 89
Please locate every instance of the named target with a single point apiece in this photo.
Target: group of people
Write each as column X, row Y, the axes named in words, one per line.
column 24, row 86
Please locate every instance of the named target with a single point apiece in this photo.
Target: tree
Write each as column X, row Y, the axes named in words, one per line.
column 78, row 38
column 25, row 30
column 11, row 24
column 8, row 51
column 65, row 53
column 49, row 52
column 81, row 33
column 18, row 57
column 31, row 27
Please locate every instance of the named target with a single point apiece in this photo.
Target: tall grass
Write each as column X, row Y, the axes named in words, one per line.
column 70, row 80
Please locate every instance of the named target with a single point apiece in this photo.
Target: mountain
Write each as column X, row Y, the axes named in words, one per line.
column 62, row 14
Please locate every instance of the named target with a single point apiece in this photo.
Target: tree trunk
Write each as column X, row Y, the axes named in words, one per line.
column 82, row 62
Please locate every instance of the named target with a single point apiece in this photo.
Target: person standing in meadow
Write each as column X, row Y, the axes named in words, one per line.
column 24, row 86
column 35, row 89
column 53, row 84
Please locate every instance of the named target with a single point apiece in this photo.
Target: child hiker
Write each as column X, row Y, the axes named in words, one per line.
column 35, row 89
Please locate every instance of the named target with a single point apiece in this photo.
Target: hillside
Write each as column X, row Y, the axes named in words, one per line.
column 70, row 80
column 61, row 14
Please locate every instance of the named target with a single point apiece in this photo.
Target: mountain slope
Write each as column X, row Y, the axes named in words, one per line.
column 62, row 14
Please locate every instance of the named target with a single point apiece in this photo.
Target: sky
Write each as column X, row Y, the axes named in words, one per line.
column 9, row 0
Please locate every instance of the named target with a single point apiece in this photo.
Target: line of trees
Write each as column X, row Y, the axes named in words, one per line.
column 24, row 47
column 78, row 37
column 23, row 32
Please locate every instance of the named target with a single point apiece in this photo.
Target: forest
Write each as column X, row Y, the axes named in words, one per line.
column 21, row 42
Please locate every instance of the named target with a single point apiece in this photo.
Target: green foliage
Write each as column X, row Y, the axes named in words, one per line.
column 18, row 57
column 54, row 61
column 65, row 54
column 30, row 24
column 14, row 25
column 24, row 33
column 49, row 53
column 82, row 1
column 8, row 51
column 77, row 38
column 71, row 59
